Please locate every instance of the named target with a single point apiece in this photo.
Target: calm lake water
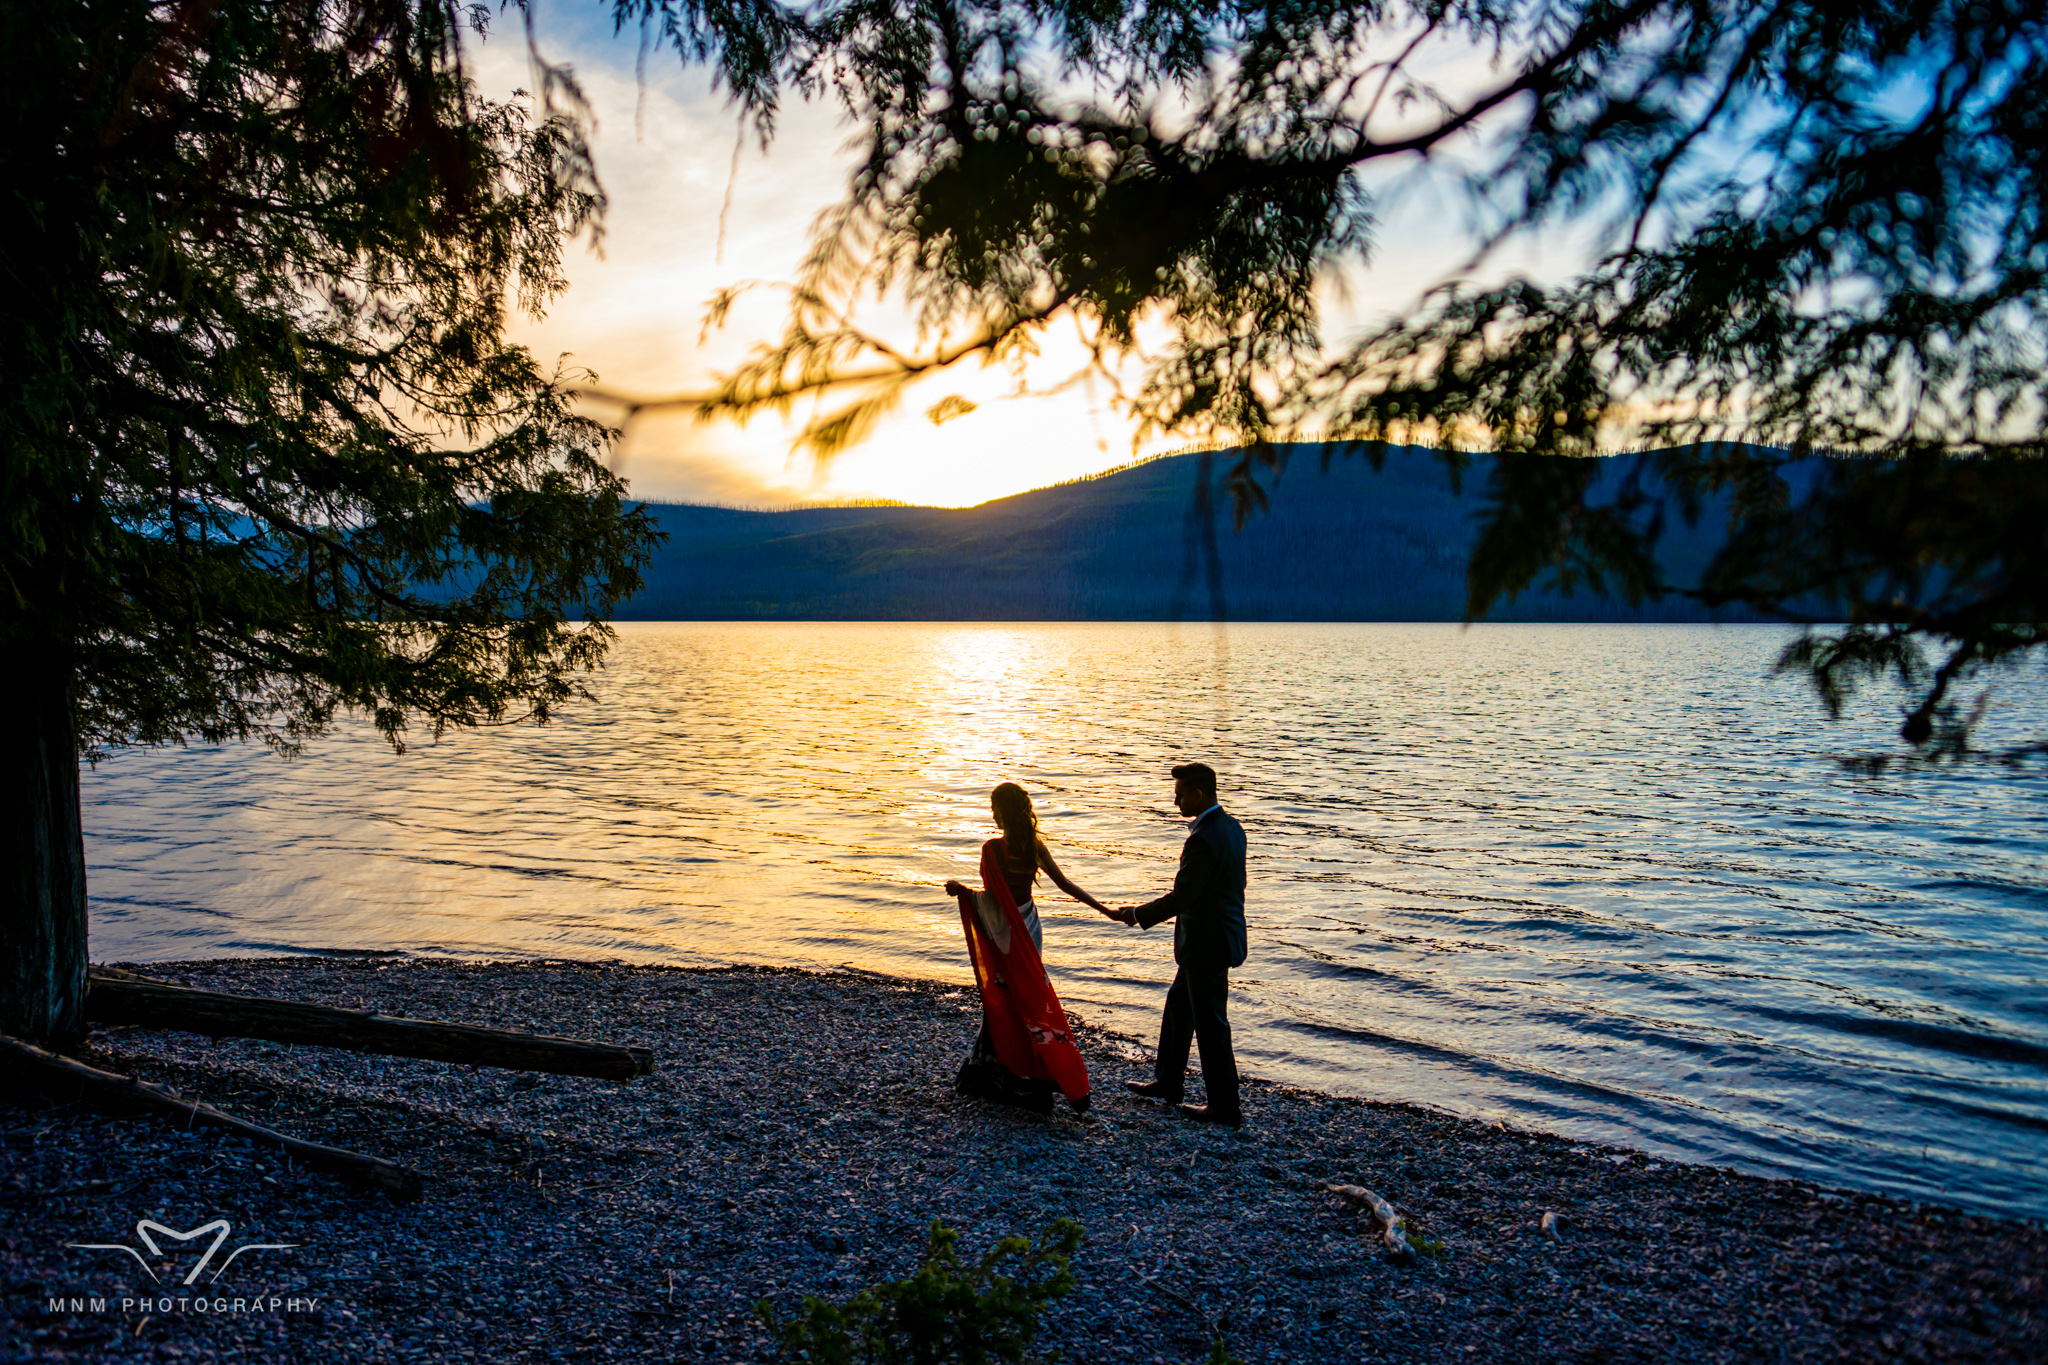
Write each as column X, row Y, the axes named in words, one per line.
column 1605, row 881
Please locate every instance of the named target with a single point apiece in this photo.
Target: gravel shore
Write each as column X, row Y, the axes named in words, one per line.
column 801, row 1133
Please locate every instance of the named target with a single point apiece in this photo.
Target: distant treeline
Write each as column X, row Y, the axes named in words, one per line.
column 1346, row 544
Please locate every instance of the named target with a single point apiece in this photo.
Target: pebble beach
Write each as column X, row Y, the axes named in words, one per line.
column 801, row 1134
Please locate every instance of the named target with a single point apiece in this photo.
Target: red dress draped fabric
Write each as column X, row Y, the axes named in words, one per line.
column 1026, row 1022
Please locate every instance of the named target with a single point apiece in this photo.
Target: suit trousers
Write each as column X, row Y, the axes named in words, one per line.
column 1195, row 1011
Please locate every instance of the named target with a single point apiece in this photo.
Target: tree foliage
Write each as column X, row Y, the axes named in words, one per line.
column 267, row 450
column 1817, row 229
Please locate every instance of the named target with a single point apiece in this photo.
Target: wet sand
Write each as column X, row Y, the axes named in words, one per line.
column 800, row 1135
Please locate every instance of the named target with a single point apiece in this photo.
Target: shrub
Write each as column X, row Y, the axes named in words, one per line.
column 946, row 1311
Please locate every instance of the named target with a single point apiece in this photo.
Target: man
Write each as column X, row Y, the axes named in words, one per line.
column 1207, row 907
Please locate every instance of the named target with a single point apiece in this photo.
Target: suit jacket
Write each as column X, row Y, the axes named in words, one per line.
column 1207, row 900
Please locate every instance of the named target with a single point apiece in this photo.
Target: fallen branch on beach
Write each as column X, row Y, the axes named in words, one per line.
column 1178, row 1297
column 117, row 997
column 73, row 1082
column 1394, row 1229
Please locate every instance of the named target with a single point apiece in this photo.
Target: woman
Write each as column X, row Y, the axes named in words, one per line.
column 1024, row 855
column 1025, row 1051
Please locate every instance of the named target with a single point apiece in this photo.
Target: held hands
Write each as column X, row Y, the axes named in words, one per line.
column 1127, row 915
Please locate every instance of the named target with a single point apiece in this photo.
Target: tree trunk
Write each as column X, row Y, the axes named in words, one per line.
column 42, row 854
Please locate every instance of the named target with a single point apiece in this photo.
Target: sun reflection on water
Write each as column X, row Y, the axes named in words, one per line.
column 1602, row 880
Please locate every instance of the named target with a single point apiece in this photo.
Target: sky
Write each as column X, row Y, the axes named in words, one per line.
column 635, row 313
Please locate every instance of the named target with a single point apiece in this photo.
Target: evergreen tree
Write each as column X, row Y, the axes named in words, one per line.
column 267, row 452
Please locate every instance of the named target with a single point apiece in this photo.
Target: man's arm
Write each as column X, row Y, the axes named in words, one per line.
column 1198, row 868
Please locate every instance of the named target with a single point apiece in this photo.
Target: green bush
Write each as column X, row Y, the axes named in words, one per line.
column 947, row 1311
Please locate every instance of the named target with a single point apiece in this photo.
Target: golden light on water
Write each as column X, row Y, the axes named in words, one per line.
column 1495, row 869
column 975, row 708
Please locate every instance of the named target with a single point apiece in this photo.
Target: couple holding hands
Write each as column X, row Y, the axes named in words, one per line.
column 1025, row 1051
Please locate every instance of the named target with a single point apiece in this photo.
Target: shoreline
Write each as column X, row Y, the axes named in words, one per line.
column 799, row 1135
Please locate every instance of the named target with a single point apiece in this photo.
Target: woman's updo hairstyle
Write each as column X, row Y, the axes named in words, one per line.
column 1012, row 806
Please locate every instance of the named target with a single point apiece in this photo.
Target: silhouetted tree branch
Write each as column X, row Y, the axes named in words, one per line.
column 1820, row 234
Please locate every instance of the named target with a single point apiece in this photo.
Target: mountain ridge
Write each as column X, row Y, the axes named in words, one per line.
column 1339, row 542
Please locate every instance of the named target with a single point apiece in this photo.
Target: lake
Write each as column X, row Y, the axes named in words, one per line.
column 1606, row 881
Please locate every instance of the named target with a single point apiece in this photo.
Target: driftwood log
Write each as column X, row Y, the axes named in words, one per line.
column 1394, row 1227
column 116, row 997
column 73, row 1082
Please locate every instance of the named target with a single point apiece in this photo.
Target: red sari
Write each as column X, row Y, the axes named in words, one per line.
column 1024, row 1018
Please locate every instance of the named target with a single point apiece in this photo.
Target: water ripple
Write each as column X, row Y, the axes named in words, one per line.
column 1604, row 880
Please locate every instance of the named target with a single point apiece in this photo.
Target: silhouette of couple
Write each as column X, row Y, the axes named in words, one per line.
column 1025, row 1051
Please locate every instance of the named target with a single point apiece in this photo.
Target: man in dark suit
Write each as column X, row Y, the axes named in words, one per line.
column 1207, row 907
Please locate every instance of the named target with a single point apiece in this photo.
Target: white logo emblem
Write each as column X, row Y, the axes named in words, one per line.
column 218, row 1227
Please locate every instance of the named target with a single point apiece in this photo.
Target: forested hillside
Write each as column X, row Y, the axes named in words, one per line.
column 1349, row 544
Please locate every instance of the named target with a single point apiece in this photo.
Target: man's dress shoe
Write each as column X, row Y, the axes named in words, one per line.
column 1209, row 1113
column 1154, row 1090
